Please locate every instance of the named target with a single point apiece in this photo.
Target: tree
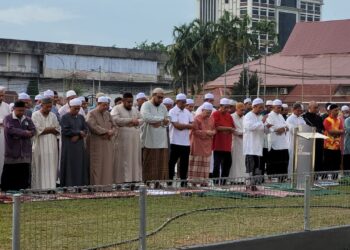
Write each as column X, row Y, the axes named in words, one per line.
column 225, row 39
column 153, row 46
column 239, row 88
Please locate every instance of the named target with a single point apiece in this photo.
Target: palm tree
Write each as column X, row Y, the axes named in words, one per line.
column 224, row 44
column 202, row 34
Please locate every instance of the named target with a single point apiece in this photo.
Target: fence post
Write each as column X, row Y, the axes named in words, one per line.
column 142, row 203
column 307, row 203
column 16, row 206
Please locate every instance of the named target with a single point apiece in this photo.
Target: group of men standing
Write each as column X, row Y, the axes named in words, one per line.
column 143, row 142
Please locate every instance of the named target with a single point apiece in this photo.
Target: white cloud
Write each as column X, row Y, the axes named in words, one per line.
column 32, row 13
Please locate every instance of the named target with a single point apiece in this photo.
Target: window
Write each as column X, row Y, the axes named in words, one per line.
column 317, row 18
column 272, row 2
column 21, row 60
column 317, row 8
column 310, row 7
column 262, row 36
column 263, row 12
column 243, row 12
column 227, row 1
column 303, row 5
column 256, row 1
column 255, row 11
column 263, row 1
column 271, row 13
column 289, row 3
column 243, row 1
column 3, row 59
column 310, row 18
column 302, row 17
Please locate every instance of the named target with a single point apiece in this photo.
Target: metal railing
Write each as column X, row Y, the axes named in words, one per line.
column 170, row 214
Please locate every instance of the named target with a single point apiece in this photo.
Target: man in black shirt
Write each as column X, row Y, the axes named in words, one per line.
column 313, row 119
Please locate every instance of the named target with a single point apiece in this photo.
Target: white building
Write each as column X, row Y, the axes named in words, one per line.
column 286, row 13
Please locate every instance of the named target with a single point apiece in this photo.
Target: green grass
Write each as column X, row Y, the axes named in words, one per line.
column 81, row 224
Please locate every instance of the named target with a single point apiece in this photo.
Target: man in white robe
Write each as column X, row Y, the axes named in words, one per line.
column 279, row 138
column 293, row 121
column 254, row 129
column 4, row 111
column 45, row 148
column 128, row 155
column 238, row 169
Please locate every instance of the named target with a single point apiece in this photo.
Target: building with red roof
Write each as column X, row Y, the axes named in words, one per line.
column 313, row 65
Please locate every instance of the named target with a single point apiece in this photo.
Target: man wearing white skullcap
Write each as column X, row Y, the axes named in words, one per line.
column 238, row 169
column 24, row 97
column 140, row 99
column 128, row 167
column 190, row 106
column 37, row 99
column 154, row 138
column 169, row 103
column 45, row 146
column 49, row 94
column 345, row 113
column 223, row 139
column 232, row 106
column 4, row 111
column 74, row 169
column 179, row 133
column 279, row 138
column 101, row 147
column 268, row 107
column 293, row 121
column 285, row 111
column 70, row 95
column 254, row 129
column 248, row 105
column 201, row 139
column 209, row 97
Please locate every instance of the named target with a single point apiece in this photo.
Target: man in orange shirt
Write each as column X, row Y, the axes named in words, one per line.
column 332, row 146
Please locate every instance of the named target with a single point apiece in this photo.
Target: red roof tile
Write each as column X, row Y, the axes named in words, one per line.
column 316, row 38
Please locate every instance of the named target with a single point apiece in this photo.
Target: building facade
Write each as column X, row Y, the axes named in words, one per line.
column 285, row 13
column 30, row 66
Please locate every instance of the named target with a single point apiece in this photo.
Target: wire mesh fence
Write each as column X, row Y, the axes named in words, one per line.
column 170, row 214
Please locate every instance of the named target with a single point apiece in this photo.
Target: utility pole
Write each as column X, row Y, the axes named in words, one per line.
column 99, row 81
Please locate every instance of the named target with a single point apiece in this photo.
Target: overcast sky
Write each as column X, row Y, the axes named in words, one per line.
column 109, row 22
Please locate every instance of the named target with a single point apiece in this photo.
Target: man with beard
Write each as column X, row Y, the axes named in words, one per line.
column 101, row 143
column 154, row 138
column 129, row 165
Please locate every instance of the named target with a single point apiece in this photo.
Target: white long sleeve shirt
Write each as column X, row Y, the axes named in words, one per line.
column 253, row 134
column 278, row 142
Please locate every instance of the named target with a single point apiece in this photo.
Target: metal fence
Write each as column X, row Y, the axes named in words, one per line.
column 170, row 214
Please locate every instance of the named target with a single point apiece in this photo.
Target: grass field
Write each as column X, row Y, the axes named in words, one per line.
column 88, row 223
